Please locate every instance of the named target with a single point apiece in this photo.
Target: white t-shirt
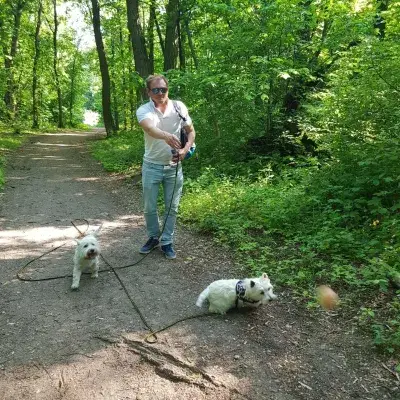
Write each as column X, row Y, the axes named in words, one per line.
column 156, row 150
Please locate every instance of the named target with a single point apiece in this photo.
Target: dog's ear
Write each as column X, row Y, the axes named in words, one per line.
column 264, row 276
column 252, row 283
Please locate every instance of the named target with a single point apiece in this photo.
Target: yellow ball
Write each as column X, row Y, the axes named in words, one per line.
column 327, row 297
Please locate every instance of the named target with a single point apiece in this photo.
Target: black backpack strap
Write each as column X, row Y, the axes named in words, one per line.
column 177, row 110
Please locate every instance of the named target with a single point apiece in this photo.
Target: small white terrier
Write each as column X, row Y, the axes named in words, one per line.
column 86, row 258
column 225, row 294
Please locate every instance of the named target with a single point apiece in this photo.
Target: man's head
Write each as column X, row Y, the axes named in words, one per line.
column 157, row 88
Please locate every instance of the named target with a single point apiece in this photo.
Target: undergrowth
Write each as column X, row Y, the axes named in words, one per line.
column 120, row 153
column 335, row 224
column 8, row 141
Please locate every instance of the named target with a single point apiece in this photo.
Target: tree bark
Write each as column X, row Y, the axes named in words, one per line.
column 142, row 62
column 35, row 115
column 171, row 36
column 9, row 96
column 105, row 76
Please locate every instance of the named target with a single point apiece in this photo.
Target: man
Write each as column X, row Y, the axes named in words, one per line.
column 161, row 124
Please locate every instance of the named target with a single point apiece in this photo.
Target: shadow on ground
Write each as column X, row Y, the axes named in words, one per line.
column 56, row 343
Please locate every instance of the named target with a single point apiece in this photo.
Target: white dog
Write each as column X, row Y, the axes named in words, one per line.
column 225, row 294
column 86, row 258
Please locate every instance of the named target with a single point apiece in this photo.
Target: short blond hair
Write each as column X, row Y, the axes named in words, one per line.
column 155, row 77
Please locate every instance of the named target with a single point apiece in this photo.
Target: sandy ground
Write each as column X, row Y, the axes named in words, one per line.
column 89, row 344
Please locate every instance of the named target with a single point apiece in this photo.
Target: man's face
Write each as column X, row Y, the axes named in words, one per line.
column 158, row 91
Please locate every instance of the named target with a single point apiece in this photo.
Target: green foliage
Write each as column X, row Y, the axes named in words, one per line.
column 297, row 118
column 8, row 142
column 120, row 153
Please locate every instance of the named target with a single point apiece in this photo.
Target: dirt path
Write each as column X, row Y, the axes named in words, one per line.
column 58, row 344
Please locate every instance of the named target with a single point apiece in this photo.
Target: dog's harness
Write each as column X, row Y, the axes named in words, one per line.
column 241, row 294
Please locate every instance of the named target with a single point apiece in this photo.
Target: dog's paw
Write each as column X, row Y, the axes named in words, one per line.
column 75, row 287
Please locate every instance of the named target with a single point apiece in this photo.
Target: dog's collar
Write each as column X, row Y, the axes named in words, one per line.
column 241, row 294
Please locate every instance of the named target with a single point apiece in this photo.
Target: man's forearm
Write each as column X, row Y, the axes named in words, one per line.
column 191, row 135
column 156, row 133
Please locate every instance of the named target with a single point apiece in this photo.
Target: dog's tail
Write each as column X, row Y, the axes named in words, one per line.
column 202, row 298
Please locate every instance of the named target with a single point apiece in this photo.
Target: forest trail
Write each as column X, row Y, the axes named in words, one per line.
column 59, row 344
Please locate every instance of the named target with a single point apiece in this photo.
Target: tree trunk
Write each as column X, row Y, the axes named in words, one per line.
column 150, row 33
column 124, row 78
column 181, row 48
column 131, row 99
column 35, row 115
column 160, row 38
column 142, row 62
column 9, row 96
column 105, row 76
column 380, row 22
column 72, row 88
column 115, row 105
column 171, row 36
column 190, row 40
column 60, row 122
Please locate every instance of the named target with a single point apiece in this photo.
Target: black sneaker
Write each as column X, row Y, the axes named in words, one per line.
column 149, row 246
column 168, row 251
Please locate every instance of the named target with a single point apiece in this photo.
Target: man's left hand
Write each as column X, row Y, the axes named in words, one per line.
column 181, row 153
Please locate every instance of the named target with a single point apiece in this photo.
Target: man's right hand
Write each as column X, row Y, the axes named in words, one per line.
column 148, row 126
column 172, row 141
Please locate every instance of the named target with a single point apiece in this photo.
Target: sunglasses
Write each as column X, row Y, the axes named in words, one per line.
column 157, row 90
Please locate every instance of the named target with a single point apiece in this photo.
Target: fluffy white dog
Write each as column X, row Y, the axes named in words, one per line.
column 86, row 258
column 225, row 294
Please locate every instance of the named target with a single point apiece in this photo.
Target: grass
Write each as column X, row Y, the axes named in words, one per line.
column 120, row 153
column 8, row 142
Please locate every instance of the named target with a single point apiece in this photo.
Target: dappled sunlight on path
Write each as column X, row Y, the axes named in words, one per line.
column 89, row 344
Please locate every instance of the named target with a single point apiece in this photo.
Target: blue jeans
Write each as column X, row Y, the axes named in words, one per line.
column 152, row 176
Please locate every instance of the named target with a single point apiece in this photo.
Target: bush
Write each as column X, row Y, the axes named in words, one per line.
column 120, row 153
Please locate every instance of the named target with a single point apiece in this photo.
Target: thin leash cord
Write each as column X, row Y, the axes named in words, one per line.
column 19, row 272
column 152, row 336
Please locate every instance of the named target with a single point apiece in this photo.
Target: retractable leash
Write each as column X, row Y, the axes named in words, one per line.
column 20, row 271
column 183, row 134
column 152, row 336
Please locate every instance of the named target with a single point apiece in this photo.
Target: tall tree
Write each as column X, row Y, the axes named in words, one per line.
column 105, row 76
column 171, row 36
column 181, row 47
column 150, row 33
column 35, row 116
column 114, row 93
column 9, row 96
column 142, row 61
column 159, row 33
column 60, row 122
column 380, row 23
column 190, row 39
column 73, row 84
